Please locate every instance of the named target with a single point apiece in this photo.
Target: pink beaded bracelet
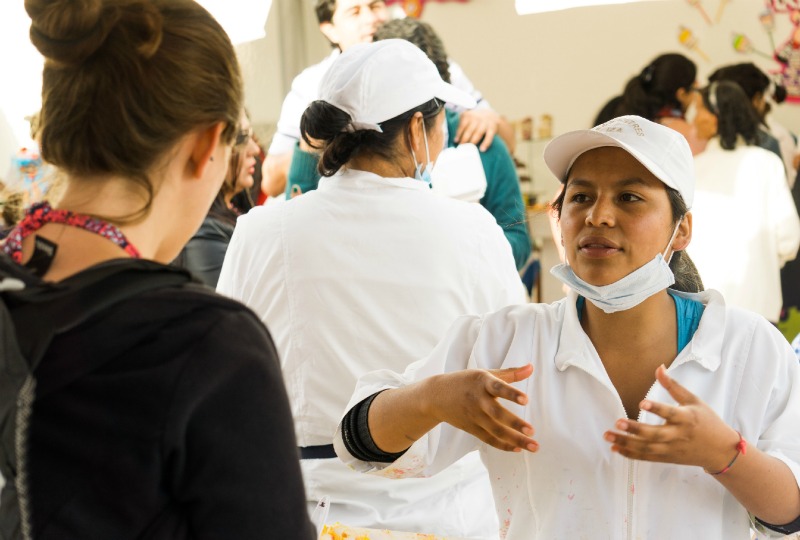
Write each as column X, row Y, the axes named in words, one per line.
column 741, row 448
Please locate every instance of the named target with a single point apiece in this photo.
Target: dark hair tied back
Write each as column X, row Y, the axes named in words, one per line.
column 327, row 123
column 647, row 74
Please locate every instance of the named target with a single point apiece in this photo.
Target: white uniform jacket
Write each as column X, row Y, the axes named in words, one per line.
column 574, row 487
column 745, row 226
column 361, row 274
column 305, row 89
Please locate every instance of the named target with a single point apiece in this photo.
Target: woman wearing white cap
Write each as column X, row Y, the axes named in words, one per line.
column 657, row 414
column 368, row 272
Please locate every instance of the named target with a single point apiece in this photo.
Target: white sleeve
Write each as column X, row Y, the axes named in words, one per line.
column 305, row 89
column 248, row 272
column 460, row 80
column 496, row 264
column 780, row 379
column 444, row 444
column 783, row 213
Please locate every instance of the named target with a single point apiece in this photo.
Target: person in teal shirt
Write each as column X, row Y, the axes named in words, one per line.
column 502, row 198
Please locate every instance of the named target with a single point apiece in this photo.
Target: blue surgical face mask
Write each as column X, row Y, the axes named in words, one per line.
column 423, row 173
column 628, row 292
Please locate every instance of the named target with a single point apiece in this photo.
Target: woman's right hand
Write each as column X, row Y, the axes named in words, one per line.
column 469, row 400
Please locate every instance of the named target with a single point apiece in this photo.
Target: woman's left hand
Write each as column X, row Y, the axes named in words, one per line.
column 692, row 434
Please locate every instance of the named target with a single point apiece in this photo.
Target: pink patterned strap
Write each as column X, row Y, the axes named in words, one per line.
column 41, row 213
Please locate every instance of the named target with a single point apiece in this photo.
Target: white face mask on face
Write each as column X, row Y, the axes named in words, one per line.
column 628, row 292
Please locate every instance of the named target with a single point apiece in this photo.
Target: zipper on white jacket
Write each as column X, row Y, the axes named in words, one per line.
column 632, row 471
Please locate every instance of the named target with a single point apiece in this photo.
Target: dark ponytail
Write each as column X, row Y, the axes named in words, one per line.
column 735, row 113
column 656, row 86
column 327, row 123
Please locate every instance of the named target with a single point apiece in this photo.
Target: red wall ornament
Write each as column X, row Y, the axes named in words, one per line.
column 413, row 8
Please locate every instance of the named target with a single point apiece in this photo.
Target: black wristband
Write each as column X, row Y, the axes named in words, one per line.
column 357, row 438
column 789, row 528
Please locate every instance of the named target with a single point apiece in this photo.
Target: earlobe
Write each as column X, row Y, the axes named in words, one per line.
column 205, row 144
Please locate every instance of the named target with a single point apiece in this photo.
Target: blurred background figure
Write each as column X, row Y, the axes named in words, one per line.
column 760, row 90
column 501, row 194
column 746, row 225
column 663, row 93
column 205, row 251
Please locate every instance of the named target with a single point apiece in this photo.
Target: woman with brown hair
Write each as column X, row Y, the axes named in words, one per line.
column 166, row 417
column 204, row 253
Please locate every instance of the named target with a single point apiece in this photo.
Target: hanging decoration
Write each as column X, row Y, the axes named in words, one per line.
column 699, row 5
column 787, row 53
column 413, row 8
column 742, row 44
column 767, row 19
column 722, row 5
column 688, row 40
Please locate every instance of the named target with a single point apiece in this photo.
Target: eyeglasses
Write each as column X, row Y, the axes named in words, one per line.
column 243, row 136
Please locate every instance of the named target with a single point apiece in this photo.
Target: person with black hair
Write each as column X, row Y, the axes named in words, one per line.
column 760, row 90
column 663, row 93
column 746, row 224
column 367, row 271
column 205, row 251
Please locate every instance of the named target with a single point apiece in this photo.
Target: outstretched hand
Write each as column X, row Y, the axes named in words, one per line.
column 469, row 400
column 693, row 434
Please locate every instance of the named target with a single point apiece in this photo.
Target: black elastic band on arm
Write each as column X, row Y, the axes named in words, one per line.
column 357, row 438
column 789, row 528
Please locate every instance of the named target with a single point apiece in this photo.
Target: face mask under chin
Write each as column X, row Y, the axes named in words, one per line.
column 627, row 292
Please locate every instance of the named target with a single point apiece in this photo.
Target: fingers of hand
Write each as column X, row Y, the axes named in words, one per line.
column 505, row 431
column 634, row 447
column 470, row 132
column 488, row 137
column 499, row 388
column 514, row 374
column 675, row 389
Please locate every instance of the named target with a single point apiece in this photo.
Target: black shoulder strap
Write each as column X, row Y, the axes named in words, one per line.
column 42, row 312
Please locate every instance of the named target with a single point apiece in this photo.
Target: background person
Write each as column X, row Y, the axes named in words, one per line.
column 746, row 224
column 367, row 272
column 345, row 23
column 663, row 93
column 691, row 452
column 205, row 251
column 755, row 85
column 166, row 417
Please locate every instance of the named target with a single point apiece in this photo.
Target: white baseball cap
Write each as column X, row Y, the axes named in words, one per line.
column 662, row 150
column 375, row 82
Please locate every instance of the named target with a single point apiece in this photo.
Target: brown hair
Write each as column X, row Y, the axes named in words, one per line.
column 124, row 80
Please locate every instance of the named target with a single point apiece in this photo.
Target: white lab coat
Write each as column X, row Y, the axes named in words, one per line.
column 745, row 226
column 574, row 486
column 361, row 274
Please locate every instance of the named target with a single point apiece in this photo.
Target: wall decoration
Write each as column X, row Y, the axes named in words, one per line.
column 788, row 53
column 742, row 44
column 688, row 40
column 413, row 8
column 699, row 5
column 721, row 9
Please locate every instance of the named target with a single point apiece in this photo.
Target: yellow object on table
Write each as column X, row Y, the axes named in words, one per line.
column 337, row 531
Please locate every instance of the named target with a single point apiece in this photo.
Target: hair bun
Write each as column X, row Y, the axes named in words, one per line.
column 70, row 31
